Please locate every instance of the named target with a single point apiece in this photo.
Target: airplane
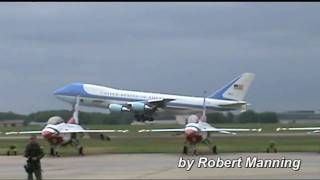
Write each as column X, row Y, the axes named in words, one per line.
column 145, row 105
column 60, row 133
column 197, row 131
column 310, row 129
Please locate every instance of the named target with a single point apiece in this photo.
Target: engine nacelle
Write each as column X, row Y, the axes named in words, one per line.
column 139, row 106
column 118, row 108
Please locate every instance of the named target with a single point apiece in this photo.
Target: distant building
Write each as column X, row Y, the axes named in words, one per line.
column 12, row 123
column 300, row 116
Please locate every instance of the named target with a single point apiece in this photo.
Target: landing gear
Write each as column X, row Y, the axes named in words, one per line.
column 76, row 142
column 192, row 147
column 103, row 137
column 53, row 152
column 185, row 150
column 195, row 152
column 211, row 146
column 142, row 118
column 80, row 151
column 214, row 149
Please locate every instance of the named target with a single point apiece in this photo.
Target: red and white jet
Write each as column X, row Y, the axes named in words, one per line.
column 197, row 130
column 60, row 133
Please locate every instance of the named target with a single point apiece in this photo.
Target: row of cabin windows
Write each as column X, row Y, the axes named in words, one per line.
column 129, row 95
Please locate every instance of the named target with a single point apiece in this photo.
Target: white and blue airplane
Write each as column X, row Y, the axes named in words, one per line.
column 145, row 104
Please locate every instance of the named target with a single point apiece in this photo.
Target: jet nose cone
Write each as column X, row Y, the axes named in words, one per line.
column 190, row 132
column 47, row 134
column 192, row 135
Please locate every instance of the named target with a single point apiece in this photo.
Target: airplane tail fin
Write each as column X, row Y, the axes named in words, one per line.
column 75, row 117
column 236, row 89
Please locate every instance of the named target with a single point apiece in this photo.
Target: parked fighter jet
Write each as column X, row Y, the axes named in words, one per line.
column 60, row 133
column 197, row 130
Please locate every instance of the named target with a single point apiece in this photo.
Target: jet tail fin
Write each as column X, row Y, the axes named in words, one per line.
column 236, row 89
column 75, row 117
column 203, row 117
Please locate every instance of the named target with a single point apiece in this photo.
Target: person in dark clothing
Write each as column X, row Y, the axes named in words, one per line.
column 34, row 153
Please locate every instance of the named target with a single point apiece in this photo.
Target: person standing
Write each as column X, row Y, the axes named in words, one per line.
column 34, row 153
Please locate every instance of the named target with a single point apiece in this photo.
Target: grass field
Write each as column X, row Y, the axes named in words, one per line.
column 134, row 142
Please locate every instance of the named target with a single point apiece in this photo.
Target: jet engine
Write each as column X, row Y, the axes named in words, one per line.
column 139, row 106
column 118, row 108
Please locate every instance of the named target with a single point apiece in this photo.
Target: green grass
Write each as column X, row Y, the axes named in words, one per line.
column 133, row 142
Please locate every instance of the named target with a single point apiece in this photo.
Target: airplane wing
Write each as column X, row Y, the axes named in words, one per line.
column 156, row 103
column 161, row 130
column 160, row 102
column 226, row 131
column 312, row 129
column 233, row 105
column 95, row 131
column 298, row 129
column 230, row 130
column 23, row 132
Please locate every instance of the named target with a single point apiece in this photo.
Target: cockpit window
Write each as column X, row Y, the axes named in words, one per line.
column 55, row 120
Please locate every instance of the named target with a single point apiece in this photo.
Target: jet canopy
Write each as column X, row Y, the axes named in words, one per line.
column 55, row 120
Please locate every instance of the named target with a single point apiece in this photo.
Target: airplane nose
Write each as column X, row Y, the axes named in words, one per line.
column 190, row 132
column 46, row 134
column 59, row 91
column 192, row 135
column 73, row 89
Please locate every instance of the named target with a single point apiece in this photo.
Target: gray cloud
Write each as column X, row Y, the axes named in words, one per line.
column 181, row 48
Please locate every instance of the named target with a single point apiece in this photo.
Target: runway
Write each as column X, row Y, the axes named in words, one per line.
column 158, row 166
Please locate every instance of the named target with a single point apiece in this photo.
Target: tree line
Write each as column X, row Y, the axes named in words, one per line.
column 249, row 116
column 126, row 118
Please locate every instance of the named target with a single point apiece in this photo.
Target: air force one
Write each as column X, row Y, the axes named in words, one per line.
column 59, row 133
column 144, row 105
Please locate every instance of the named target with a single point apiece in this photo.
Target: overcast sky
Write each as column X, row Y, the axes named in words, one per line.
column 179, row 48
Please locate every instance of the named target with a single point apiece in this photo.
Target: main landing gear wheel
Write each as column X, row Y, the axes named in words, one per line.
column 195, row 152
column 185, row 150
column 214, row 150
column 53, row 152
column 143, row 118
column 81, row 151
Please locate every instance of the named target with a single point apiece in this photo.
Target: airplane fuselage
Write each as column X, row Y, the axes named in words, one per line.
column 100, row 96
